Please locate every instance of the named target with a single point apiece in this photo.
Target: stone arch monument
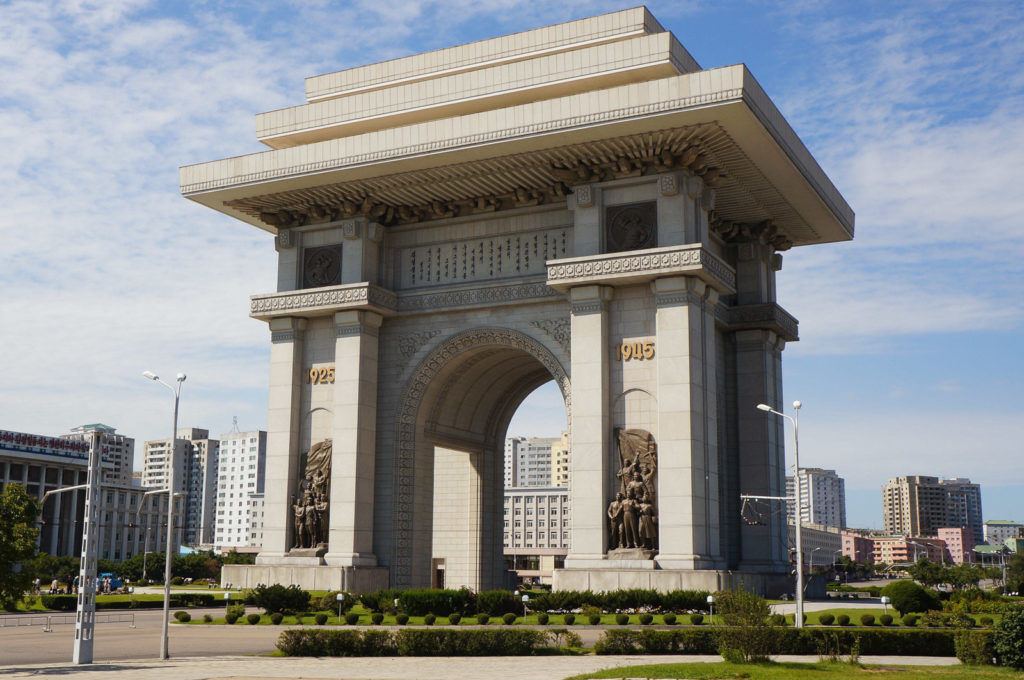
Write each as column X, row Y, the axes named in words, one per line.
column 580, row 203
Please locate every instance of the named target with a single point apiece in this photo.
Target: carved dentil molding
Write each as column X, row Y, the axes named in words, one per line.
column 323, row 300
column 636, row 266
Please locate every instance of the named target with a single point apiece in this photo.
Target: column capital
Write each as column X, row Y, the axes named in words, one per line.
column 587, row 299
column 286, row 328
column 674, row 290
column 355, row 321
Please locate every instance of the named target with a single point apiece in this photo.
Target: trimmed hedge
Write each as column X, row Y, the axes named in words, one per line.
column 67, row 603
column 428, row 600
column 785, row 641
column 617, row 600
column 412, row 642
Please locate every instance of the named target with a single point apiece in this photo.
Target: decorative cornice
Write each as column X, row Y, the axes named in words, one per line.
column 765, row 232
column 469, row 297
column 769, row 316
column 283, row 336
column 639, row 266
column 323, row 301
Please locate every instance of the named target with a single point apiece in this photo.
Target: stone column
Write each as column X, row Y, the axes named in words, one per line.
column 687, row 424
column 355, row 439
column 590, row 424
column 760, row 436
column 282, row 434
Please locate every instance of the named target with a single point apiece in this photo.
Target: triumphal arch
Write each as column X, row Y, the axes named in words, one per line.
column 580, row 203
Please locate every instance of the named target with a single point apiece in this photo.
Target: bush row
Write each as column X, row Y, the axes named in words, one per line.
column 785, row 641
column 70, row 602
column 497, row 642
column 497, row 603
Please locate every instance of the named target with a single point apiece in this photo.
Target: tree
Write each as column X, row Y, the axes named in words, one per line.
column 1015, row 574
column 18, row 538
column 927, row 572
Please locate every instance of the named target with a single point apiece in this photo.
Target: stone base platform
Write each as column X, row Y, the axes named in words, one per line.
column 664, row 580
column 307, row 576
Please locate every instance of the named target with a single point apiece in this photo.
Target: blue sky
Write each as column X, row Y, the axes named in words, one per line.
column 909, row 360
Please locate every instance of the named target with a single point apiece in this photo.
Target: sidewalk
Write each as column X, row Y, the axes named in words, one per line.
column 384, row 668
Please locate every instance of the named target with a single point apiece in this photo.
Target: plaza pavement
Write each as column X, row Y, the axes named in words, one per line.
column 238, row 653
column 403, row 668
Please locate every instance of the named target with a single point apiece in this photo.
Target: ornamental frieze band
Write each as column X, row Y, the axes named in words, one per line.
column 637, row 266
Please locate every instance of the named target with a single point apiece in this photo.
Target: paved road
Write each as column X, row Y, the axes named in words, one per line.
column 442, row 668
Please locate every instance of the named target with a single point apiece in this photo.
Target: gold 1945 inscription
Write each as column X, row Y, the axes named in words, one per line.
column 634, row 350
column 320, row 376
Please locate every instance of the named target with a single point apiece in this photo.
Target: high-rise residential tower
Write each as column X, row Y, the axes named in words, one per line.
column 240, row 475
column 195, row 475
column 823, row 497
column 918, row 505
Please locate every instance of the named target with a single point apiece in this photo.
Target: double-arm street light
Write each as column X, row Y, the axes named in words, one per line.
column 798, row 620
column 176, row 391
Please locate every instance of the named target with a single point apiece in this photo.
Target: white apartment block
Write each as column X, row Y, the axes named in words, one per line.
column 118, row 451
column 998, row 530
column 195, row 475
column 823, row 497
column 560, row 461
column 240, row 475
column 528, row 461
column 536, row 518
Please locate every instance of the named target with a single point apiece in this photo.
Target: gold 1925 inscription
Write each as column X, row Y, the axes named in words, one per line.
column 634, row 350
column 320, row 376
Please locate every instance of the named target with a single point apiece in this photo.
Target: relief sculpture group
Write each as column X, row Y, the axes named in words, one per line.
column 311, row 502
column 633, row 515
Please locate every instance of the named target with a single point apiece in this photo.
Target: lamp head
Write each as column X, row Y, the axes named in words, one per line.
column 797, row 405
column 764, row 407
column 151, row 375
column 181, row 378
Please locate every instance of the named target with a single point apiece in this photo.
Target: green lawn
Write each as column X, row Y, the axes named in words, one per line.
column 797, row 671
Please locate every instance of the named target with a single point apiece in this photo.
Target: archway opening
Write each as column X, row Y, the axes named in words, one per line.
column 468, row 400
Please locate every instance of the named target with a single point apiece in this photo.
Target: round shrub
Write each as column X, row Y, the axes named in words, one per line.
column 843, row 620
column 910, row 620
column 454, row 618
column 351, row 618
column 907, row 596
column 320, row 619
column 594, row 619
column 183, row 617
column 254, row 619
column 177, row 581
column 985, row 620
column 646, row 619
column 230, row 618
column 885, row 619
column 778, row 619
column 207, row 618
column 482, row 618
column 696, row 619
column 1008, row 638
column 569, row 619
column 542, row 618
column 402, row 619
column 376, row 618
column 508, row 619
column 867, row 619
column 276, row 618
column 429, row 619
column 670, row 619
column 826, row 619
column 622, row 619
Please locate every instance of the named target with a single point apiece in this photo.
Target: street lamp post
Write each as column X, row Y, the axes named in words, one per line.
column 798, row 514
column 711, row 610
column 176, row 391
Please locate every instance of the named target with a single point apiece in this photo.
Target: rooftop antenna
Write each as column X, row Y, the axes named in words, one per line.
column 234, row 424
